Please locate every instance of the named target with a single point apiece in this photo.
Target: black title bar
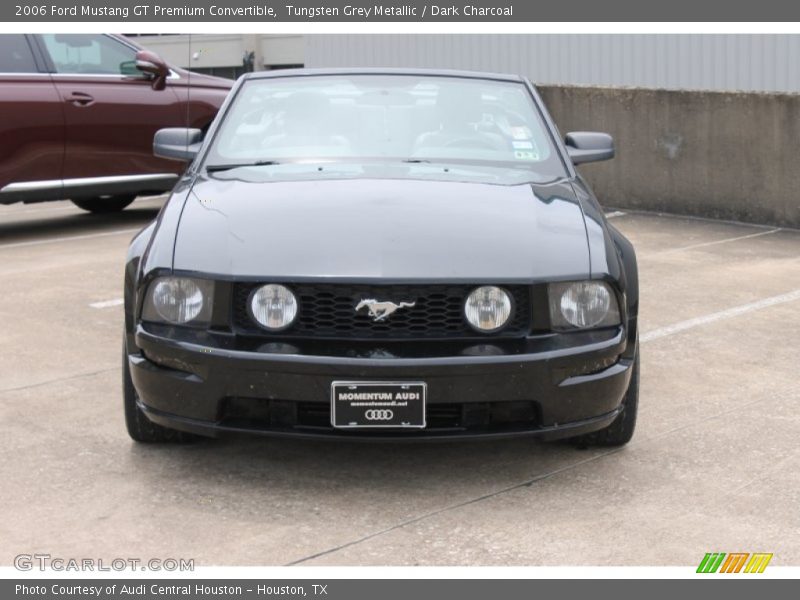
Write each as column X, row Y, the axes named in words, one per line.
column 476, row 11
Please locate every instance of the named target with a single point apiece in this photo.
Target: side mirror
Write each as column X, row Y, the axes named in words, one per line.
column 152, row 64
column 589, row 146
column 177, row 143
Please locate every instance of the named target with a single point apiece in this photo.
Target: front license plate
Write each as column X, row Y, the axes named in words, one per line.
column 374, row 404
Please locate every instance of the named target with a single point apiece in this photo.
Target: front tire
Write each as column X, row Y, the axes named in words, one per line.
column 621, row 429
column 140, row 428
column 104, row 204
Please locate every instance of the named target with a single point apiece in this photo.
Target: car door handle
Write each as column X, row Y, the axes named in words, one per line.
column 80, row 99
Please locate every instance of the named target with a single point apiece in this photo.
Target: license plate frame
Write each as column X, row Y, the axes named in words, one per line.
column 347, row 415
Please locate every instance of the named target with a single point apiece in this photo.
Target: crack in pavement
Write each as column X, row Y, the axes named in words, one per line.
column 707, row 220
column 768, row 473
column 531, row 481
column 451, row 507
column 646, row 337
column 667, row 252
column 524, row 484
column 57, row 380
column 706, row 506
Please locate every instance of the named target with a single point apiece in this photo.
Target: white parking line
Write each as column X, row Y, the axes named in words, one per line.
column 661, row 332
column 46, row 209
column 715, row 242
column 616, row 213
column 107, row 303
column 69, row 238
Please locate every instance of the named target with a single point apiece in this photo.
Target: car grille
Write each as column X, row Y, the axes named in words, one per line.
column 279, row 415
column 328, row 310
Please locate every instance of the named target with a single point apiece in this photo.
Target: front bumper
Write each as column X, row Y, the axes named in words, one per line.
column 550, row 386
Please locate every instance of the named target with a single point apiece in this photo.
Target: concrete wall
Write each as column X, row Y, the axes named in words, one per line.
column 723, row 155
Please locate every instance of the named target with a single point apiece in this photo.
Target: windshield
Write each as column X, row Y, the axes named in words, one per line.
column 386, row 118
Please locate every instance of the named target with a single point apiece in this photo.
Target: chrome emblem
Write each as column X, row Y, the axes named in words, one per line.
column 380, row 310
column 378, row 414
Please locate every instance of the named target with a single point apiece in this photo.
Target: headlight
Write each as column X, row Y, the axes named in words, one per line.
column 178, row 300
column 488, row 308
column 273, row 306
column 583, row 305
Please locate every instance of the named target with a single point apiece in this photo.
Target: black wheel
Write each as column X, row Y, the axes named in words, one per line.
column 140, row 428
column 104, row 204
column 621, row 429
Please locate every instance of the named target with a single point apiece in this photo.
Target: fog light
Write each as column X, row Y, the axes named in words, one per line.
column 273, row 306
column 488, row 308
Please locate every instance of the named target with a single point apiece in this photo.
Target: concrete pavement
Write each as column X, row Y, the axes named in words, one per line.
column 714, row 465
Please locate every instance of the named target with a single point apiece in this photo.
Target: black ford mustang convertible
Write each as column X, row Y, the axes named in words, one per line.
column 381, row 254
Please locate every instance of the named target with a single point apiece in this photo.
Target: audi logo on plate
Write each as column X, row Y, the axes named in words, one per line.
column 378, row 415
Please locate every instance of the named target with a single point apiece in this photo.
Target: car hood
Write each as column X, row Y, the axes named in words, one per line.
column 380, row 228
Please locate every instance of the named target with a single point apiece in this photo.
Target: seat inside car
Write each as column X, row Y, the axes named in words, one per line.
column 459, row 111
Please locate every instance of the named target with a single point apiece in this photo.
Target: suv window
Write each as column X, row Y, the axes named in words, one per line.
column 90, row 54
column 16, row 55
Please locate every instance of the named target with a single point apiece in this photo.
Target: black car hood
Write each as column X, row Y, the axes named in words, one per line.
column 380, row 228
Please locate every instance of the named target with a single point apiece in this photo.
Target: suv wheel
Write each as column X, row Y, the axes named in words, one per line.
column 140, row 428
column 104, row 204
column 621, row 429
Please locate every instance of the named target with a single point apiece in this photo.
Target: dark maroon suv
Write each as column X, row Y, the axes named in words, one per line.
column 78, row 114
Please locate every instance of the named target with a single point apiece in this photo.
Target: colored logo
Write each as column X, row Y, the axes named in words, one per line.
column 735, row 562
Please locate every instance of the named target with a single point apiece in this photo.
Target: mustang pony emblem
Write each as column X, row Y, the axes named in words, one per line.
column 380, row 310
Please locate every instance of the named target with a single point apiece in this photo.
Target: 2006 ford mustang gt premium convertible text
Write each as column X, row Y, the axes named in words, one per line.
column 381, row 254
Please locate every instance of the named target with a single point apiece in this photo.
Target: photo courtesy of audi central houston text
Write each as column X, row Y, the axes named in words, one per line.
column 333, row 264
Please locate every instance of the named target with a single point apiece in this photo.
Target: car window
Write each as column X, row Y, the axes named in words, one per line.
column 430, row 119
column 90, row 54
column 16, row 55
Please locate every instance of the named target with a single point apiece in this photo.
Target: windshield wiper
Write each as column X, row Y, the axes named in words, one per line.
column 226, row 167
column 415, row 160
